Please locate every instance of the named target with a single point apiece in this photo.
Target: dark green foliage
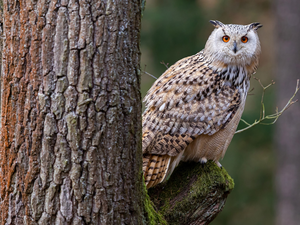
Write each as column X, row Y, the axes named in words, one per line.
column 169, row 31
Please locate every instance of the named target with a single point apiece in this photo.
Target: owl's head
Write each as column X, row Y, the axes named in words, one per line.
column 233, row 44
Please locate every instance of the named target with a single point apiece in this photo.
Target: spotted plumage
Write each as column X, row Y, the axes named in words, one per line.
column 193, row 109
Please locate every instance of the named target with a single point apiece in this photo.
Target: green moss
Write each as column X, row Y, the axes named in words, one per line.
column 202, row 181
column 154, row 218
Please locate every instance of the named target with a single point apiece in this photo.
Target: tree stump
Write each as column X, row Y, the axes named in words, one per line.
column 194, row 194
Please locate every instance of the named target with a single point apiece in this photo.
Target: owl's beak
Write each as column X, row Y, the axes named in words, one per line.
column 234, row 47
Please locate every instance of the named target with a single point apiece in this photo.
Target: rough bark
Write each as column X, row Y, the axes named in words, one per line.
column 1, row 49
column 287, row 128
column 195, row 194
column 71, row 113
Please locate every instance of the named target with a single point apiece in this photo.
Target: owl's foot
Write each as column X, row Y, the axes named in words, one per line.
column 203, row 161
column 219, row 164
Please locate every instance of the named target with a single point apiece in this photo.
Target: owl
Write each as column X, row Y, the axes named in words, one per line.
column 193, row 109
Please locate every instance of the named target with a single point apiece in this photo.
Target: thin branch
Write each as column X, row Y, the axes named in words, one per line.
column 150, row 75
column 166, row 65
column 274, row 116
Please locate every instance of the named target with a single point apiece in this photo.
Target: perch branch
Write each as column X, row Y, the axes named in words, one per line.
column 194, row 194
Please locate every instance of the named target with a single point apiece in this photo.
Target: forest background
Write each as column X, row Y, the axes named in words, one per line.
column 174, row 29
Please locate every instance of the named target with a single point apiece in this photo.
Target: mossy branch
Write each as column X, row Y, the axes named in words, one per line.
column 274, row 117
column 195, row 193
column 153, row 217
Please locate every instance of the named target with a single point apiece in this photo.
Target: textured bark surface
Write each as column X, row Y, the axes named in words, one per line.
column 288, row 126
column 194, row 195
column 1, row 49
column 71, row 113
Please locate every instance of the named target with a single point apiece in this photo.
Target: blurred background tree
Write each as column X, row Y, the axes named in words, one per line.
column 288, row 128
column 174, row 29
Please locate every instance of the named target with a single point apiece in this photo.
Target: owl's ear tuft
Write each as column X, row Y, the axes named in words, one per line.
column 255, row 26
column 216, row 23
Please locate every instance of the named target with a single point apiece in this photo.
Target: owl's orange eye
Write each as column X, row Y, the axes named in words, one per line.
column 225, row 38
column 244, row 39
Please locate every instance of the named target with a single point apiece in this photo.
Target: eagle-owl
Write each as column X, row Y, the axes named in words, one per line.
column 193, row 109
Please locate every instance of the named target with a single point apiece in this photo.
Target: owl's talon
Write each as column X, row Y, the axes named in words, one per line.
column 219, row 164
column 203, row 161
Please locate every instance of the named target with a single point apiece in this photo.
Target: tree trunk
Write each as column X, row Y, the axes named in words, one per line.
column 71, row 113
column 287, row 127
column 1, row 49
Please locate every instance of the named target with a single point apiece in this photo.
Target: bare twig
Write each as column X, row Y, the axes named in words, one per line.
column 162, row 62
column 150, row 75
column 274, row 116
column 166, row 65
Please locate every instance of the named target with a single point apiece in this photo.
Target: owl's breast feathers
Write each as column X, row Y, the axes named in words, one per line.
column 188, row 106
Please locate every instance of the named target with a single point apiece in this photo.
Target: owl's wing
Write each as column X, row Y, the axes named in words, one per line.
column 188, row 100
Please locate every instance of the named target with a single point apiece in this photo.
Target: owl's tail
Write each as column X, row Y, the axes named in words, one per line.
column 155, row 168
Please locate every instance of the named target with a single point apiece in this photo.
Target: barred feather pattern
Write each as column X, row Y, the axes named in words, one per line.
column 193, row 109
column 192, row 100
